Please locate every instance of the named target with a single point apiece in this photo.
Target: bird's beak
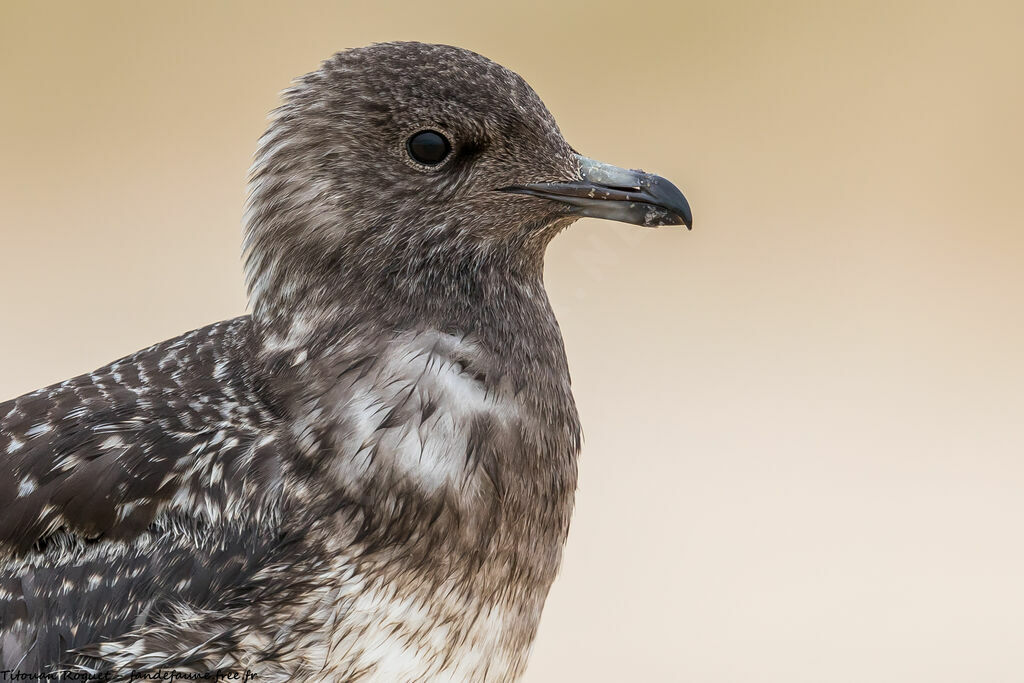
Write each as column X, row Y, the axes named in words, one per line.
column 618, row 194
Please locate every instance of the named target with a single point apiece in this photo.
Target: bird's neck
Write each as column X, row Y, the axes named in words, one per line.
column 461, row 350
column 493, row 293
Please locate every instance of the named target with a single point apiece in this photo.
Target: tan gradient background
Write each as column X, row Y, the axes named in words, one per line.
column 804, row 453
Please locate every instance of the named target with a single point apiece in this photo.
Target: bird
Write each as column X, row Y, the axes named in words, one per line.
column 370, row 475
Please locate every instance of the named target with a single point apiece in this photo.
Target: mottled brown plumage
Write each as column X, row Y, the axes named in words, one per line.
column 370, row 478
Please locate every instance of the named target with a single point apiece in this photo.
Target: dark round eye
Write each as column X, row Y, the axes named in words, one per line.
column 428, row 147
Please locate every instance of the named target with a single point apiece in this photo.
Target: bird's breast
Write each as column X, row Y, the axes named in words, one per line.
column 423, row 412
column 453, row 499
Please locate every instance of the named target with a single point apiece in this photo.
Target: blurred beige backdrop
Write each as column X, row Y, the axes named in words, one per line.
column 804, row 453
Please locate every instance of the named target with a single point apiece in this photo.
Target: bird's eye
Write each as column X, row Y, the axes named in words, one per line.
column 428, row 147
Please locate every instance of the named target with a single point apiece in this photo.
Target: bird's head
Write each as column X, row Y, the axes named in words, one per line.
column 410, row 162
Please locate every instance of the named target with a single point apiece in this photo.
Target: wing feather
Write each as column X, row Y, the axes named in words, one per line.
column 116, row 488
